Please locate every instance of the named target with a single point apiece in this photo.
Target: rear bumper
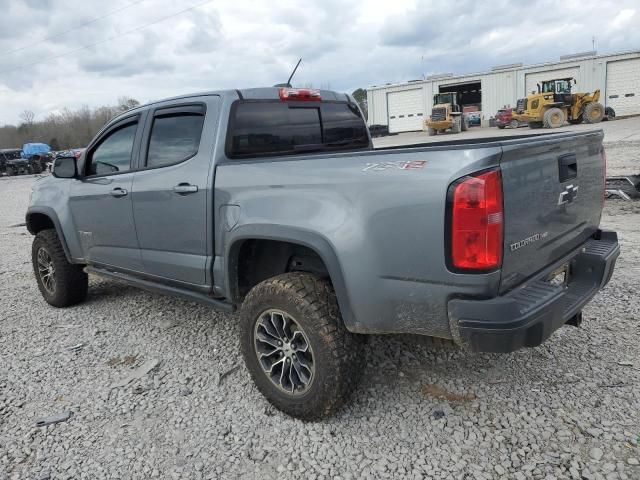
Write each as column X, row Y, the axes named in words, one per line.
column 528, row 315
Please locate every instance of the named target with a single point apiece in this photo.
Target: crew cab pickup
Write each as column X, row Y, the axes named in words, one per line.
column 275, row 201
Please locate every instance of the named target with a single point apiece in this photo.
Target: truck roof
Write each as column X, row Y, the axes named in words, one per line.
column 259, row 93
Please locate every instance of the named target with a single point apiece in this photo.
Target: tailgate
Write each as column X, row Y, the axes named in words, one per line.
column 553, row 187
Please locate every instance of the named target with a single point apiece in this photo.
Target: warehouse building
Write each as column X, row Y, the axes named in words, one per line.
column 405, row 106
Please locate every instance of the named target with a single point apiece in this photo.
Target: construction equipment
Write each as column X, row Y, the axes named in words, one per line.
column 446, row 114
column 554, row 104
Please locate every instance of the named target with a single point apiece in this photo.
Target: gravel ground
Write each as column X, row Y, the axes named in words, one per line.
column 567, row 409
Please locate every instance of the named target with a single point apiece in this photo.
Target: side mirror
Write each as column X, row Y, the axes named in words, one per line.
column 65, row 167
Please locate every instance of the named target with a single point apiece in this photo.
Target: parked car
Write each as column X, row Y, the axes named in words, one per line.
column 11, row 162
column 319, row 239
column 504, row 118
column 474, row 119
column 37, row 156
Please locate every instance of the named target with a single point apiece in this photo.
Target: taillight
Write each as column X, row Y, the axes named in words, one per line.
column 300, row 94
column 476, row 222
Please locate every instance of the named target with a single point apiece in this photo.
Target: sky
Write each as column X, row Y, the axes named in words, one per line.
column 57, row 54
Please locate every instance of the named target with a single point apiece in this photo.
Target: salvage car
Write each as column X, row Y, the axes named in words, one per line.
column 11, row 162
column 504, row 118
column 273, row 201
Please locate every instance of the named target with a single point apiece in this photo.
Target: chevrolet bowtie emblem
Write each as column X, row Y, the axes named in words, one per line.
column 569, row 195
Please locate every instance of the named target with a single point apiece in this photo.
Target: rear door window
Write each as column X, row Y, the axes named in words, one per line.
column 265, row 128
column 175, row 137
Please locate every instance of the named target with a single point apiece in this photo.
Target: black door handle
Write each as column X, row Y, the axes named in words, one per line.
column 567, row 167
column 118, row 192
column 185, row 188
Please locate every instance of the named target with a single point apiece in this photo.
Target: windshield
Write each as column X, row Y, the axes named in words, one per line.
column 443, row 98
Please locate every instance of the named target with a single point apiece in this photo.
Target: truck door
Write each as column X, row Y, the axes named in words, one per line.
column 172, row 190
column 100, row 201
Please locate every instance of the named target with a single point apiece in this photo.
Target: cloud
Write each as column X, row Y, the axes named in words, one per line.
column 345, row 44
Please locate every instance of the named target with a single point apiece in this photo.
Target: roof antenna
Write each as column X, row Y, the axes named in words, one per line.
column 288, row 84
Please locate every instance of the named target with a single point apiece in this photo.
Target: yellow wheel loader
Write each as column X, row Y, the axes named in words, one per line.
column 446, row 114
column 554, row 104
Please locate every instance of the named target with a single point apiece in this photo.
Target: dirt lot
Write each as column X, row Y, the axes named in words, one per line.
column 569, row 409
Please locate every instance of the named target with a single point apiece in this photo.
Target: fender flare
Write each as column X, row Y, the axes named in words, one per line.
column 313, row 240
column 51, row 214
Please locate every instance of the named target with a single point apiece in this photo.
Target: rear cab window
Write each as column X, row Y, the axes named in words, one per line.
column 261, row 128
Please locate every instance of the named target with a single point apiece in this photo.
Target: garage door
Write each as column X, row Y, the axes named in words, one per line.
column 406, row 110
column 623, row 86
column 531, row 79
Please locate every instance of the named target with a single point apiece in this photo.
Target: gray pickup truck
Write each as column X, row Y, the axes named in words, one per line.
column 275, row 201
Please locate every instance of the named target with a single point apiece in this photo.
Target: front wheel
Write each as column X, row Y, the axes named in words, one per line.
column 61, row 283
column 514, row 123
column 296, row 347
column 593, row 112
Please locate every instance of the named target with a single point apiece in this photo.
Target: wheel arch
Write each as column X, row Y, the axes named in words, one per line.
column 43, row 218
column 313, row 241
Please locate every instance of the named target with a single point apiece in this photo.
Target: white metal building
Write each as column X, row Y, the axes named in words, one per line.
column 405, row 106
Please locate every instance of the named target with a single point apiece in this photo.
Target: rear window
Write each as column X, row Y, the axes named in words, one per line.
column 262, row 128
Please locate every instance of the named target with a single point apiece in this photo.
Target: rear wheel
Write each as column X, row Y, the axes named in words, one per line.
column 61, row 283
column 553, row 118
column 593, row 112
column 432, row 131
column 609, row 114
column 514, row 123
column 296, row 347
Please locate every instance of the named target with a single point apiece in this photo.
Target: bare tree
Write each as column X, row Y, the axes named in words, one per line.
column 27, row 117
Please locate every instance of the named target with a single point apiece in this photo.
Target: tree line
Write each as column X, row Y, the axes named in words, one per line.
column 65, row 129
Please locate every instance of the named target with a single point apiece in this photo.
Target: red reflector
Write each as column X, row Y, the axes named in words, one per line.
column 477, row 222
column 300, row 94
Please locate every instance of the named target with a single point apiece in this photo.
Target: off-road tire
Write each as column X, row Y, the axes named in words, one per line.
column 456, row 126
column 432, row 131
column 553, row 118
column 465, row 123
column 337, row 353
column 609, row 114
column 593, row 112
column 71, row 282
column 514, row 123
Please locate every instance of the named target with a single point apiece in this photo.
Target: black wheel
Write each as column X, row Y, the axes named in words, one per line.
column 61, row 283
column 10, row 171
column 296, row 347
column 609, row 114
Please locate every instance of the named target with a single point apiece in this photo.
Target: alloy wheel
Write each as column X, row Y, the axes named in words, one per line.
column 284, row 352
column 46, row 270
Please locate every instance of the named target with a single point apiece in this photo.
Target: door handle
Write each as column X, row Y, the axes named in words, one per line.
column 185, row 189
column 118, row 192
